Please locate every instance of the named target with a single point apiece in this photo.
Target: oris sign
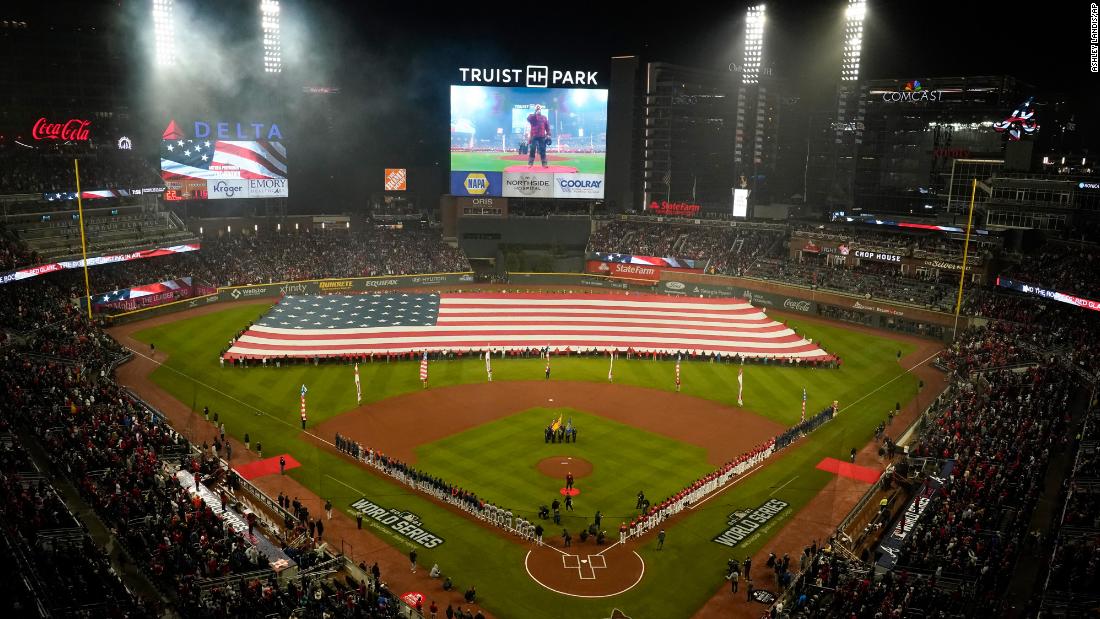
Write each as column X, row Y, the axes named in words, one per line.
column 74, row 129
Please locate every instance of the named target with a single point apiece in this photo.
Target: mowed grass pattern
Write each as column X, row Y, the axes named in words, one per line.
column 498, row 461
column 678, row 580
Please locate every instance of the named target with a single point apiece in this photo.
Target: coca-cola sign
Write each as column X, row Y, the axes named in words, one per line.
column 797, row 305
column 74, row 129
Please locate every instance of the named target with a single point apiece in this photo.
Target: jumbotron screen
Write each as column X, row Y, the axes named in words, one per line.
column 222, row 160
column 528, row 142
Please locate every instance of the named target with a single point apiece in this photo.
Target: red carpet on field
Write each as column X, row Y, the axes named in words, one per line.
column 267, row 466
column 865, row 474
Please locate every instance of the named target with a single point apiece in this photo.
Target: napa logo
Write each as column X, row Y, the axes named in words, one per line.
column 476, row 184
column 913, row 86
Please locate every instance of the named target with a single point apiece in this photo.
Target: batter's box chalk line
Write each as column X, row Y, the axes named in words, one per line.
column 586, row 568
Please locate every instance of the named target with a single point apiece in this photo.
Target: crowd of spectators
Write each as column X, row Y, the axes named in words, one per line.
column 1007, row 412
column 1074, row 576
column 717, row 249
column 1063, row 267
column 63, row 561
column 50, row 169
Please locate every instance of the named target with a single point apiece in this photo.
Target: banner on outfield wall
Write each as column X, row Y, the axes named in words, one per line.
column 574, row 279
column 650, row 273
column 890, row 546
column 777, row 301
column 348, row 285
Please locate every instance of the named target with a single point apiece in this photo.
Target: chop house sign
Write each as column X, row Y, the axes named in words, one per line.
column 74, row 129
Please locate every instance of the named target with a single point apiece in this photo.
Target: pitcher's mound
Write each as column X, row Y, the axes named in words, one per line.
column 559, row 466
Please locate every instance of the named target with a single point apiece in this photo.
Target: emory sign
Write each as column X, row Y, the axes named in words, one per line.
column 533, row 76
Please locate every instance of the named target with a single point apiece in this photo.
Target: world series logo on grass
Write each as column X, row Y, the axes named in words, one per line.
column 405, row 523
column 744, row 523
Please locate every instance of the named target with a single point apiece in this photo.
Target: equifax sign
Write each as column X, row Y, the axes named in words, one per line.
column 532, row 76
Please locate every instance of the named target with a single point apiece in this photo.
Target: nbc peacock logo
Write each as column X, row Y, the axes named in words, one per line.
column 913, row 86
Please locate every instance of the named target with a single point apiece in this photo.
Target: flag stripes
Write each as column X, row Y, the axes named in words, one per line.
column 342, row 325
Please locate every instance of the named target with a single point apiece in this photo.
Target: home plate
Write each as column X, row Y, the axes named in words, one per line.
column 584, row 560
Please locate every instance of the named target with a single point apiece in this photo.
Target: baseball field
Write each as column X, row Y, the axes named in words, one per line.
column 585, row 163
column 635, row 434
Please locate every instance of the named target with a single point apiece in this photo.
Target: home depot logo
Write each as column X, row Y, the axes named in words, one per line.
column 395, row 179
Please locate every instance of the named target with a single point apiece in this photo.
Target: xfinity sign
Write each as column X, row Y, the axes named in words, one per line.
column 531, row 76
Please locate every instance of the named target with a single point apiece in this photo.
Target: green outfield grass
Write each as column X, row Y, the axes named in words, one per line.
column 586, row 163
column 678, row 579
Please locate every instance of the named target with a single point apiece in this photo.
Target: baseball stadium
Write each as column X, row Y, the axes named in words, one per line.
column 640, row 351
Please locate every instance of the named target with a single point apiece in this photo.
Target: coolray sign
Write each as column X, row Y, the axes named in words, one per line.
column 476, row 183
column 74, row 129
column 578, row 186
column 531, row 76
column 227, row 189
column 524, row 185
column 235, row 131
column 406, row 524
column 875, row 255
column 743, row 524
column 672, row 208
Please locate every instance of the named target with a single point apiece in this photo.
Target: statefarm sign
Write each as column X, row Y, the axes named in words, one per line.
column 647, row 273
column 673, row 208
column 74, row 129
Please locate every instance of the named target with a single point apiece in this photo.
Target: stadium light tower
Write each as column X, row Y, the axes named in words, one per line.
column 164, row 32
column 754, row 45
column 273, row 44
column 853, row 39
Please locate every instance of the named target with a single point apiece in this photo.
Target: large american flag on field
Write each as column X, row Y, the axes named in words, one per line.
column 340, row 325
column 217, row 159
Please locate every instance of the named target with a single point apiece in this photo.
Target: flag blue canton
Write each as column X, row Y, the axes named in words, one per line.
column 354, row 312
column 194, row 153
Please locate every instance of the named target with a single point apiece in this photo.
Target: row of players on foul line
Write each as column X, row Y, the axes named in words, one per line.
column 504, row 517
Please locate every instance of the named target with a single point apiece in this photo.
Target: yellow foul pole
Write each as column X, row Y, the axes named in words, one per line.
column 966, row 252
column 83, row 243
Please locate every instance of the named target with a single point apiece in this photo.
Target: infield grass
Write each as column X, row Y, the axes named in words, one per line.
column 678, row 579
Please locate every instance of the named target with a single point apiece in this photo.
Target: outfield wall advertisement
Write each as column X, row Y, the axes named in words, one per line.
column 630, row 270
column 534, row 142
